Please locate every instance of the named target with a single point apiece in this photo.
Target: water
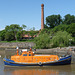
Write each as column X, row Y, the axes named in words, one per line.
column 50, row 70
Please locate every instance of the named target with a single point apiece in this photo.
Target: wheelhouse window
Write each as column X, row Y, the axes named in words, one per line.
column 24, row 54
column 29, row 54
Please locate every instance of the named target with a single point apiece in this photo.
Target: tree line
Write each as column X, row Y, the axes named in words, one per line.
column 58, row 23
column 55, row 20
column 15, row 32
column 58, row 32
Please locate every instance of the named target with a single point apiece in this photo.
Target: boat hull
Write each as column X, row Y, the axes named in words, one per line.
column 63, row 61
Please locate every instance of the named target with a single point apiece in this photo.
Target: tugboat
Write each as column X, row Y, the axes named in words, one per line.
column 28, row 58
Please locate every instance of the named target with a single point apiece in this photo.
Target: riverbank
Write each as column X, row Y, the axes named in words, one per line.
column 15, row 44
column 27, row 45
column 59, row 51
column 8, row 52
column 10, row 49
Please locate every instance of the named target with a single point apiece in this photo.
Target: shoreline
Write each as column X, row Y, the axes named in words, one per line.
column 58, row 50
column 8, row 51
column 17, row 44
column 11, row 47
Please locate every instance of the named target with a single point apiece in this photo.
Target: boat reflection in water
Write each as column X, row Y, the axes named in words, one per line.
column 32, row 72
column 54, row 70
column 35, row 72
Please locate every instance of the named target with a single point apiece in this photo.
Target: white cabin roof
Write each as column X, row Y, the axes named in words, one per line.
column 24, row 50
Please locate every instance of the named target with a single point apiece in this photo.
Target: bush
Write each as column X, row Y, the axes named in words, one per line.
column 61, row 39
column 9, row 36
column 2, row 35
column 42, row 42
column 19, row 35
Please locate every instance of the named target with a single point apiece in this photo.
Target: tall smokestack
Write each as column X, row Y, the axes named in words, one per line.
column 42, row 16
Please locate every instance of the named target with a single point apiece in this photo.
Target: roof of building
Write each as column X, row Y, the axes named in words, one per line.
column 28, row 35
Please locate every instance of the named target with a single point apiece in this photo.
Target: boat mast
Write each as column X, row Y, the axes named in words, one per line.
column 17, row 51
column 30, row 49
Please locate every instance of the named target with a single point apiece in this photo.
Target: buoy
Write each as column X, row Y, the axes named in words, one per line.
column 40, row 63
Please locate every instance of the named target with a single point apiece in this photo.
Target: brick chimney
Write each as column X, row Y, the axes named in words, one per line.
column 42, row 16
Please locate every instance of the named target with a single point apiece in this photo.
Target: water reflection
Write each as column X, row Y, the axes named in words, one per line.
column 1, row 67
column 52, row 70
column 34, row 72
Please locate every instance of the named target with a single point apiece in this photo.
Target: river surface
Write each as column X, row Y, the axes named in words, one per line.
column 50, row 70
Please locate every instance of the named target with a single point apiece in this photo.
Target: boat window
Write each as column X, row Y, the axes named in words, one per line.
column 29, row 54
column 24, row 54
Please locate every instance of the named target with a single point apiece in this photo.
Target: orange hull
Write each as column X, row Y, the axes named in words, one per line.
column 30, row 57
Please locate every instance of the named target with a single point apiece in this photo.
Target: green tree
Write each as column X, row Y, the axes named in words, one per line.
column 32, row 32
column 9, row 36
column 61, row 39
column 53, row 20
column 71, row 29
column 19, row 35
column 2, row 35
column 62, row 27
column 14, row 28
column 42, row 41
column 68, row 19
column 24, row 26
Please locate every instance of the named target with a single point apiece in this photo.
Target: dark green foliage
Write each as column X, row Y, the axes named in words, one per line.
column 58, row 39
column 57, row 32
column 61, row 39
column 71, row 29
column 15, row 32
column 42, row 42
column 9, row 36
column 14, row 28
column 2, row 35
column 62, row 27
column 53, row 20
column 19, row 35
column 68, row 19
column 32, row 33
column 44, row 31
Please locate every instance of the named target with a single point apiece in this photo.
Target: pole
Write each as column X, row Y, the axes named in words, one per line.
column 17, row 51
